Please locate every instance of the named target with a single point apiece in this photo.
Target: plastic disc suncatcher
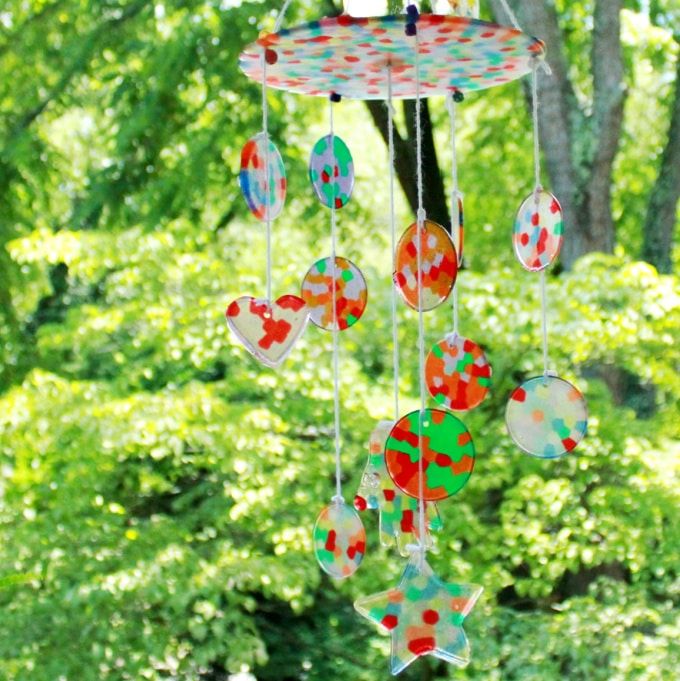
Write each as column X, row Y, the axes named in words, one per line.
column 253, row 178
column 547, row 417
column 457, row 373
column 268, row 330
column 351, row 293
column 538, row 232
column 350, row 55
column 448, row 454
column 339, row 540
column 423, row 615
column 331, row 171
column 438, row 262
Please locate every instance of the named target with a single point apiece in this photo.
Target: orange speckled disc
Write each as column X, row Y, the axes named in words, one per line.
column 439, row 265
column 457, row 373
column 351, row 293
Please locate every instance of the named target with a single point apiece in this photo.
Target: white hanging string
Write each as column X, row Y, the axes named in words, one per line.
column 537, row 189
column 511, row 15
column 537, row 146
column 393, row 235
column 421, row 321
column 267, row 172
column 282, row 14
column 455, row 196
column 335, row 330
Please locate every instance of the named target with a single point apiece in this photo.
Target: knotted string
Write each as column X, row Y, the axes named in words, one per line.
column 455, row 197
column 511, row 15
column 538, row 188
column 267, row 176
column 421, row 322
column 393, row 236
column 335, row 329
column 282, row 14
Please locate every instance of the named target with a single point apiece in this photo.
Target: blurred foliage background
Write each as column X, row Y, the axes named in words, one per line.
column 158, row 487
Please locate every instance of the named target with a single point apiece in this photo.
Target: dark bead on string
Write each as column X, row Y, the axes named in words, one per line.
column 412, row 14
column 271, row 57
column 458, row 97
column 335, row 97
column 411, row 30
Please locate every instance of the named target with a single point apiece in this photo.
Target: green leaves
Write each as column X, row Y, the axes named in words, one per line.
column 158, row 487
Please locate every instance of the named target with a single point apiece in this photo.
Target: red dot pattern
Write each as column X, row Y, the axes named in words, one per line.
column 350, row 56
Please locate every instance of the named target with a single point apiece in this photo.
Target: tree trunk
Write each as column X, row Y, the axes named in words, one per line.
column 663, row 202
column 405, row 162
column 434, row 195
column 579, row 148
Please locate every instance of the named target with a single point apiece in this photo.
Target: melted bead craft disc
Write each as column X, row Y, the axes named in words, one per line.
column 439, row 264
column 457, row 373
column 268, row 330
column 351, row 293
column 547, row 417
column 398, row 512
column 331, row 171
column 339, row 540
column 253, row 178
column 423, row 615
column 349, row 56
column 448, row 454
column 539, row 231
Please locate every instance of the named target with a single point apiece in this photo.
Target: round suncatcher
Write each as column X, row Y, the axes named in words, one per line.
column 421, row 458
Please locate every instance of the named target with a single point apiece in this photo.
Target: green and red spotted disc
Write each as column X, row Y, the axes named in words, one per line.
column 448, row 454
column 339, row 540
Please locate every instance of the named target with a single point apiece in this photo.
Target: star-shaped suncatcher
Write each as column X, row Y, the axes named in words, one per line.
column 424, row 616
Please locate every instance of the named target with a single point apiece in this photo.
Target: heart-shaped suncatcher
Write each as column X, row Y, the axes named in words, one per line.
column 268, row 330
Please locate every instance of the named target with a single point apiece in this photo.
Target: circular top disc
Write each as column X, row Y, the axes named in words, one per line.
column 350, row 56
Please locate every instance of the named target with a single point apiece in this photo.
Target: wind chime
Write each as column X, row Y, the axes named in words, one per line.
column 428, row 455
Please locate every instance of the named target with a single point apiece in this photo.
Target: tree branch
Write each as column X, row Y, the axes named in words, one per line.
column 76, row 67
column 660, row 221
column 607, row 121
column 404, row 156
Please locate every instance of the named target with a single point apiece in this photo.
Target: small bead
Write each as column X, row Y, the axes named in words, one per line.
column 412, row 12
column 271, row 57
column 458, row 97
column 335, row 97
column 411, row 30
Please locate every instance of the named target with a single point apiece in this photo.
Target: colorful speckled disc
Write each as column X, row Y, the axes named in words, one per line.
column 457, row 373
column 538, row 233
column 349, row 56
column 339, row 540
column 438, row 261
column 398, row 512
column 423, row 615
column 268, row 330
column 448, row 454
column 547, row 417
column 253, row 178
column 351, row 293
column 331, row 171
